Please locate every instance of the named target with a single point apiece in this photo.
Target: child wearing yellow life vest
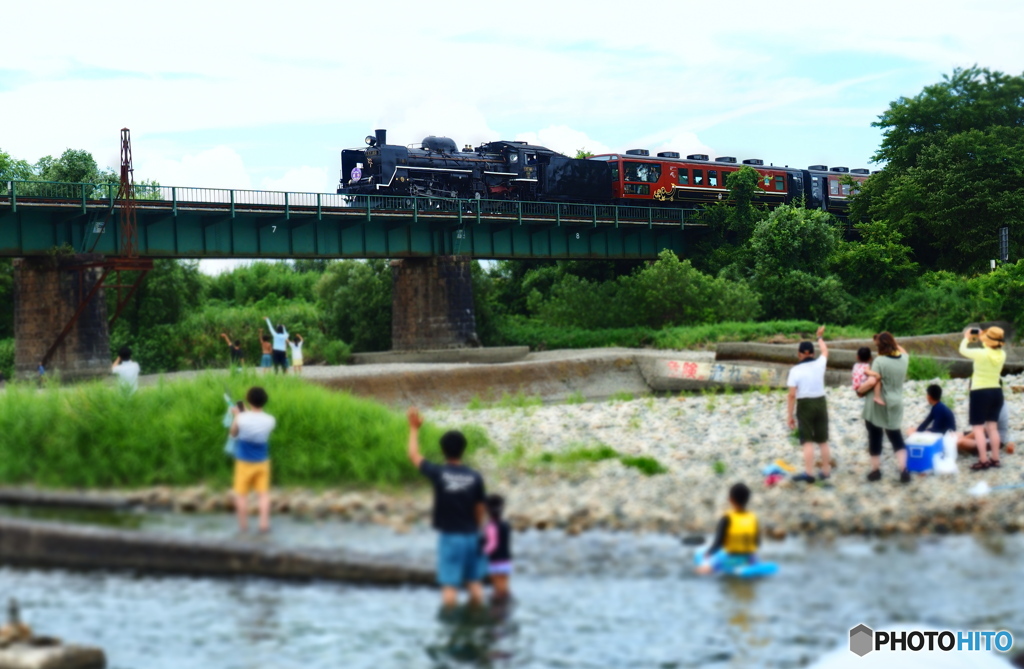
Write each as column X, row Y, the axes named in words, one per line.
column 737, row 537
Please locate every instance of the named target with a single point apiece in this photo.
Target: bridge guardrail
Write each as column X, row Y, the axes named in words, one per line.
column 182, row 196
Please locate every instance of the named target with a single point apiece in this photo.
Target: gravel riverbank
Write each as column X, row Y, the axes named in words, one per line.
column 538, row 460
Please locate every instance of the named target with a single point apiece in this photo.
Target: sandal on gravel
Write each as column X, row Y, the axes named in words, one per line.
column 994, row 463
column 980, row 466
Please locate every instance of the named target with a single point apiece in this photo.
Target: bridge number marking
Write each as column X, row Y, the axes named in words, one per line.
column 273, row 229
column 577, row 235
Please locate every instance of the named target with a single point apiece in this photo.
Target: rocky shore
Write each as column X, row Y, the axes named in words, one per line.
column 542, row 459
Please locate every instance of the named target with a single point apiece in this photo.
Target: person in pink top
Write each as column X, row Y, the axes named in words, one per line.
column 498, row 546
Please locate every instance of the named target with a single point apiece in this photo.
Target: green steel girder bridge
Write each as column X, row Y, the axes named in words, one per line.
column 181, row 222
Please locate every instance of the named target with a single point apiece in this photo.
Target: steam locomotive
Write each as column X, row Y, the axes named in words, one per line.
column 520, row 171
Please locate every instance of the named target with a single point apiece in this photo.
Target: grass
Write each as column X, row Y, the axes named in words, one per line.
column 621, row 397
column 97, row 435
column 921, row 368
column 647, row 466
column 576, row 397
column 589, row 454
column 580, row 454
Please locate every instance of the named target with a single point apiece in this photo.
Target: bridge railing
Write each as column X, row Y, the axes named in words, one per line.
column 84, row 194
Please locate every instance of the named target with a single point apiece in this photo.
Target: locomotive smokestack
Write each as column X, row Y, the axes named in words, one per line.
column 382, row 137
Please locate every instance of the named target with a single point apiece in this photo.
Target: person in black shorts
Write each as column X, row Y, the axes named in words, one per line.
column 807, row 395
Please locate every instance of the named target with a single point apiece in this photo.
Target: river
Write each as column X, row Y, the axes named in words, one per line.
column 597, row 600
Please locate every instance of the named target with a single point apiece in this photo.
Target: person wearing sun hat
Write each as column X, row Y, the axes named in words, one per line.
column 986, row 399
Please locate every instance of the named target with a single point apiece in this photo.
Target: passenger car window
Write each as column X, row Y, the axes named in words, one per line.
column 833, row 187
column 684, row 177
column 698, row 177
column 780, row 183
column 846, row 189
column 712, row 177
column 646, row 172
column 636, row 189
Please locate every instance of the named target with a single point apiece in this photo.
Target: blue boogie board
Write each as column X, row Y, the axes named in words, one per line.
column 739, row 569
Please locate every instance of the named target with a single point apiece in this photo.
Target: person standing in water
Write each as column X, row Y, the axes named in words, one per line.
column 458, row 513
column 251, row 430
column 498, row 547
column 737, row 536
column 280, row 346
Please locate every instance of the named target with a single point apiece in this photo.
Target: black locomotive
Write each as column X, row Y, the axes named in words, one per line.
column 495, row 170
column 521, row 171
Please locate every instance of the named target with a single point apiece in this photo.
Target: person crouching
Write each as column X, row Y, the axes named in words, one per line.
column 737, row 536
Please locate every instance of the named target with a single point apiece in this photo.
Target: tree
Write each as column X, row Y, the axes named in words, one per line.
column 12, row 169
column 355, row 297
column 73, row 166
column 876, row 264
column 955, row 158
column 790, row 251
column 582, row 154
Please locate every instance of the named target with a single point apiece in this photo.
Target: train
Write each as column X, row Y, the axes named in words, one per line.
column 516, row 170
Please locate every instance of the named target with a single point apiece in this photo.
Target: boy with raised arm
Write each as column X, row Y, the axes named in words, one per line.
column 458, row 513
column 251, row 430
column 806, row 407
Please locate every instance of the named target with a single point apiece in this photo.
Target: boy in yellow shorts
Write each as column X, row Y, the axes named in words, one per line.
column 251, row 430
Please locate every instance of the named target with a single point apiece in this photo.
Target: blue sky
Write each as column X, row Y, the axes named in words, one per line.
column 265, row 95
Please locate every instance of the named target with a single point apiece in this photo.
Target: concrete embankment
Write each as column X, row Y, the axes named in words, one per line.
column 840, row 358
column 70, row 546
column 44, row 654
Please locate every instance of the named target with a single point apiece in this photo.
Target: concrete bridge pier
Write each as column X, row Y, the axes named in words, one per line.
column 48, row 291
column 432, row 304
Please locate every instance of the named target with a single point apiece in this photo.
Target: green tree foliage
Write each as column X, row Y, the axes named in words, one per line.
column 730, row 223
column 355, row 299
column 13, row 169
column 877, row 263
column 944, row 301
column 168, row 294
column 73, row 166
column 955, row 157
column 667, row 292
column 253, row 283
column 790, row 251
column 582, row 154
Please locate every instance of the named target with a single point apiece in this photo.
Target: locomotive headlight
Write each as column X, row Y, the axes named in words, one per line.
column 370, row 140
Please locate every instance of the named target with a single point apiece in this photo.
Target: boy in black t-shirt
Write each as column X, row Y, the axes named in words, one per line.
column 458, row 513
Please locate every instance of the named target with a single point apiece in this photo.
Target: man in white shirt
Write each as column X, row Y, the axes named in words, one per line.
column 126, row 369
column 806, row 384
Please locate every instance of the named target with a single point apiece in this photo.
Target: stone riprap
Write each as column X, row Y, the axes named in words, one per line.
column 706, row 442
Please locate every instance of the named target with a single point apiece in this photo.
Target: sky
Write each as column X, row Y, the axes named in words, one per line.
column 265, row 95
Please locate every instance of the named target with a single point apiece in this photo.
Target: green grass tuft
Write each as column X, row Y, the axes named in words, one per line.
column 580, row 454
column 97, row 435
column 921, row 368
column 648, row 466
column 621, row 397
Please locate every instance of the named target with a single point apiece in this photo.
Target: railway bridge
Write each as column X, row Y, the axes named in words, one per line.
column 70, row 240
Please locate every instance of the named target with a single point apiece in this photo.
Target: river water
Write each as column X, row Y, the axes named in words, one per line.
column 598, row 600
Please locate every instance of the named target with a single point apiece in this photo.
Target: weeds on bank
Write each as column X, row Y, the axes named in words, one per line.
column 647, row 466
column 580, row 455
column 519, row 400
column 621, row 397
column 921, row 368
column 171, row 434
column 575, row 398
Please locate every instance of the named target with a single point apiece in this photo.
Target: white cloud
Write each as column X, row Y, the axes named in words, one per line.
column 659, row 78
column 563, row 139
column 217, row 167
column 304, row 179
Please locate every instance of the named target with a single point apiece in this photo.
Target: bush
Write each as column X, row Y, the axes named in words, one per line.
column 7, row 358
column 539, row 336
column 355, row 299
column 667, row 292
column 171, row 434
column 337, row 353
column 922, row 368
column 195, row 343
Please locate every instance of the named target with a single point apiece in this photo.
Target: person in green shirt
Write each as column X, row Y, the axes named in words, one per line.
column 887, row 419
column 986, row 399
